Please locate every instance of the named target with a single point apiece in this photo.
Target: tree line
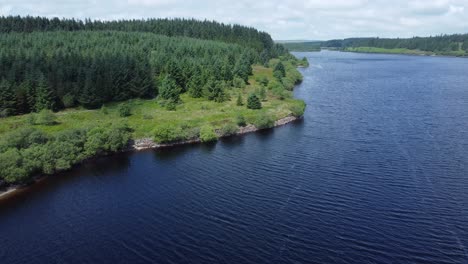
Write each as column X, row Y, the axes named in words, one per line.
column 209, row 30
column 55, row 70
column 71, row 62
column 436, row 44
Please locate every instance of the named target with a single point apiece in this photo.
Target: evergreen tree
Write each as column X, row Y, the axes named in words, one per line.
column 214, row 90
column 7, row 99
column 264, row 58
column 195, row 86
column 88, row 97
column 44, row 95
column 280, row 68
column 253, row 102
column 169, row 90
column 175, row 72
column 243, row 68
column 21, row 104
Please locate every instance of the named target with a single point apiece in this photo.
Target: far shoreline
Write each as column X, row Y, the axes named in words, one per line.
column 397, row 53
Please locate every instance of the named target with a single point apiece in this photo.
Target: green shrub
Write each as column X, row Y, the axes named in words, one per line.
column 10, row 166
column 192, row 133
column 278, row 75
column 240, row 120
column 28, row 151
column 22, row 138
column 263, row 120
column 46, row 117
column 288, row 83
column 275, row 85
column 294, row 75
column 168, row 133
column 228, row 129
column 280, row 93
column 125, row 110
column 253, row 102
column 170, row 105
column 106, row 139
column 298, row 109
column 207, row 134
column 238, row 82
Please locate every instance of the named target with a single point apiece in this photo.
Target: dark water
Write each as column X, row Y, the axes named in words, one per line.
column 376, row 173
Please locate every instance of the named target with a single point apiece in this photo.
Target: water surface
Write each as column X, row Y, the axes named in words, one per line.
column 377, row 172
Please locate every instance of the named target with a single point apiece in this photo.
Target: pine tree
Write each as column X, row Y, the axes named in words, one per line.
column 264, row 58
column 22, row 106
column 214, row 90
column 169, row 90
column 7, row 99
column 243, row 68
column 280, row 68
column 195, row 87
column 175, row 72
column 253, row 102
column 44, row 95
column 88, row 97
column 30, row 95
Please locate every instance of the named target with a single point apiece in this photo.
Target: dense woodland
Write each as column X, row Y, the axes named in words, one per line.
column 55, row 64
column 50, row 64
column 438, row 44
column 303, row 46
column 210, row 30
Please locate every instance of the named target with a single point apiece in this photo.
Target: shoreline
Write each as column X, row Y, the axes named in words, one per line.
column 406, row 54
column 398, row 53
column 146, row 144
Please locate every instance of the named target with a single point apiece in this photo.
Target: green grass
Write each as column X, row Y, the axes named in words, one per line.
column 147, row 114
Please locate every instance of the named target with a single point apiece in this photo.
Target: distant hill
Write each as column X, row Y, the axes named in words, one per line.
column 303, row 46
column 454, row 45
column 296, row 41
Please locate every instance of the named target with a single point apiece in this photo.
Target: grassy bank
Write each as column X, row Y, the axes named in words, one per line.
column 29, row 147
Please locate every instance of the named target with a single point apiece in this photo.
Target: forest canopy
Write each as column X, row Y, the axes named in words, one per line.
column 55, row 64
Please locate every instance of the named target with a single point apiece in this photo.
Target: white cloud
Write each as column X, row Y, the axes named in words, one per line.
column 5, row 10
column 292, row 19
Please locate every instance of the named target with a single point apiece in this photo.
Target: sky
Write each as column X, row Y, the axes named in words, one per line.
column 283, row 19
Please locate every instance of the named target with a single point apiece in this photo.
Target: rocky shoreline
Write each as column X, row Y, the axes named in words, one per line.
column 148, row 143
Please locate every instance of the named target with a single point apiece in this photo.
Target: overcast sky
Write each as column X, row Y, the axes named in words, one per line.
column 283, row 19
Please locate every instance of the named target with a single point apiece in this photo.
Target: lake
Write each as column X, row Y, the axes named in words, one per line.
column 376, row 172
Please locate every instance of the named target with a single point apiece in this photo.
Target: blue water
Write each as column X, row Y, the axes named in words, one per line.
column 377, row 172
